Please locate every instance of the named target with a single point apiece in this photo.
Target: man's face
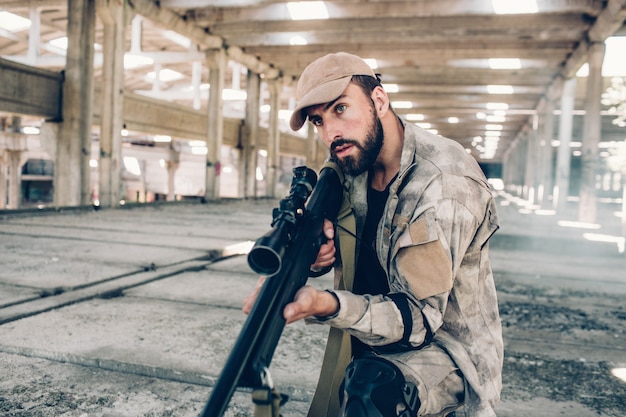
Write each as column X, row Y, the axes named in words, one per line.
column 365, row 154
column 351, row 128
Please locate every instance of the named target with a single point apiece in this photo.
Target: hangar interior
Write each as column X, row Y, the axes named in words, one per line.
column 132, row 309
column 108, row 102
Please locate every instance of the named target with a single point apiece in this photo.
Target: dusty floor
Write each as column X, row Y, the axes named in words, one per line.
column 119, row 313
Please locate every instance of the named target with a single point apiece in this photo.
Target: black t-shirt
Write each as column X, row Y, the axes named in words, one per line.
column 369, row 277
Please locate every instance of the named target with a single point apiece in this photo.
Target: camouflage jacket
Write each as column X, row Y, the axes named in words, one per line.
column 433, row 244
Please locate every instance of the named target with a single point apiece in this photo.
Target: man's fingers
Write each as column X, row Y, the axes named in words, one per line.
column 248, row 301
column 329, row 229
column 301, row 306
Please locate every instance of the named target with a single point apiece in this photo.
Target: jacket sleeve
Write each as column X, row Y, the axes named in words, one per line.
column 424, row 259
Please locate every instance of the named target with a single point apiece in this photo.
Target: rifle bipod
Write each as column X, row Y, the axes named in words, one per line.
column 267, row 400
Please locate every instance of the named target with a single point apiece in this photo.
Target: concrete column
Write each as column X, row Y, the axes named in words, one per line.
column 216, row 61
column 34, row 36
column 12, row 157
column 624, row 209
column 515, row 176
column 531, row 162
column 156, row 84
column 510, row 168
column 114, row 20
column 71, row 169
column 15, row 178
column 273, row 144
column 172, row 166
column 587, row 210
column 49, row 133
column 250, row 137
column 522, row 155
column 4, row 178
column 546, row 153
column 564, row 153
column 196, row 82
column 14, row 144
column 3, row 169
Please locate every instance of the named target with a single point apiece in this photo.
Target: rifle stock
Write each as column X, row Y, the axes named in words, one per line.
column 286, row 254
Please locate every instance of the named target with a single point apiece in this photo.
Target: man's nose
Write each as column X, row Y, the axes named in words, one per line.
column 331, row 134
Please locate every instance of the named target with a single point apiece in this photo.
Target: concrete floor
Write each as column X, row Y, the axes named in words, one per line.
column 131, row 312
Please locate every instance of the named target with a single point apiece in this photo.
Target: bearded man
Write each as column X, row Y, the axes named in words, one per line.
column 414, row 316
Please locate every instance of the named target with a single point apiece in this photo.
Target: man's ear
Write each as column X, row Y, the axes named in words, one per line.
column 381, row 101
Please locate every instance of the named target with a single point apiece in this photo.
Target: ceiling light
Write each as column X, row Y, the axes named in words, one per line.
column 500, row 89
column 234, row 95
column 60, row 43
column 495, row 119
column 165, row 75
column 199, row 150
column 481, row 115
column 505, row 63
column 402, row 104
column 297, row 40
column 497, row 106
column 30, row 130
column 372, row 63
column 414, row 117
column 307, row 10
column 578, row 225
column 391, row 88
column 12, row 22
column 453, row 120
column 162, row 138
column 492, row 133
column 514, row 7
column 493, row 127
column 135, row 61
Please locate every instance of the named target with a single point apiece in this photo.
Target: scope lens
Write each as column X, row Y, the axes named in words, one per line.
column 264, row 260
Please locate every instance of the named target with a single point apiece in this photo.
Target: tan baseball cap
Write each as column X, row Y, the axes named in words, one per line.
column 323, row 80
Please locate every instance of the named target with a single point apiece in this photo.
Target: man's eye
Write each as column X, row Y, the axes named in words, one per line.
column 316, row 121
column 340, row 108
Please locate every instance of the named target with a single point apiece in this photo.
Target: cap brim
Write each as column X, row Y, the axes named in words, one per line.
column 321, row 94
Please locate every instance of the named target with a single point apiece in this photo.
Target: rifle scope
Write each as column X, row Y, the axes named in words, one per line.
column 266, row 255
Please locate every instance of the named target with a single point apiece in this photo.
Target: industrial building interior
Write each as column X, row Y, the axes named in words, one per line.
column 490, row 76
column 127, row 186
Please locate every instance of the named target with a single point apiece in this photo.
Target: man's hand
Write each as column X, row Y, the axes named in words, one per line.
column 326, row 254
column 308, row 302
column 249, row 301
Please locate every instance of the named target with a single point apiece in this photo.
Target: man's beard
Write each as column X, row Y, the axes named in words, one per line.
column 366, row 153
